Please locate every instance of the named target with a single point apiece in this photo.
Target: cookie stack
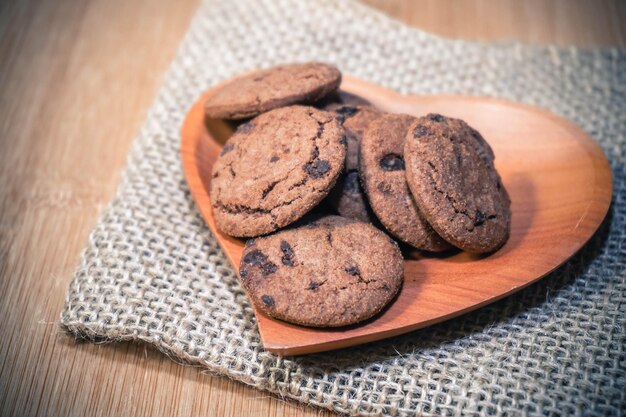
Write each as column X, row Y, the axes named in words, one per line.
column 344, row 176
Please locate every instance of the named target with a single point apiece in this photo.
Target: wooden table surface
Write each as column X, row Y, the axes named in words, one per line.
column 76, row 80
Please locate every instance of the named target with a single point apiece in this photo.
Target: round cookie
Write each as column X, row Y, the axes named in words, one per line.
column 260, row 91
column 348, row 197
column 382, row 173
column 276, row 168
column 450, row 171
column 331, row 272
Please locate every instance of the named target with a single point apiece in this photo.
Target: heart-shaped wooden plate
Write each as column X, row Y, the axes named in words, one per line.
column 560, row 186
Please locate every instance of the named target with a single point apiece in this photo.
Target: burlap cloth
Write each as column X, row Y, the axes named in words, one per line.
column 152, row 271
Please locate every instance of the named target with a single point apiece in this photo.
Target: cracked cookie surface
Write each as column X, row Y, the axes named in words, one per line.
column 382, row 173
column 331, row 272
column 347, row 197
column 283, row 85
column 450, row 172
column 275, row 168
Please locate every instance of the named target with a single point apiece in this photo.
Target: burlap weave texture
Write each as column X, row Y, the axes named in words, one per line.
column 152, row 271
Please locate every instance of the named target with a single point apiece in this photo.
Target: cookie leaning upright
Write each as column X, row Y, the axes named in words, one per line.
column 450, row 172
column 381, row 168
column 347, row 197
column 260, row 91
column 275, row 168
column 331, row 272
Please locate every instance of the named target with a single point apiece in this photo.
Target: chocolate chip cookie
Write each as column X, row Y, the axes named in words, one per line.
column 450, row 172
column 347, row 197
column 381, row 166
column 260, row 91
column 332, row 272
column 275, row 168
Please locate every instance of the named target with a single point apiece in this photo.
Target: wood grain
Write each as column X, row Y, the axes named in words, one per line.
column 585, row 23
column 67, row 66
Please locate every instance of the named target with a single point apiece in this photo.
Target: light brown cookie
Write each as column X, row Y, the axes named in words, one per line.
column 264, row 90
column 382, row 173
column 276, row 168
column 332, row 272
column 450, row 171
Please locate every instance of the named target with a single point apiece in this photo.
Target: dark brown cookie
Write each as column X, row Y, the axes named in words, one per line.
column 450, row 171
column 341, row 98
column 347, row 197
column 332, row 272
column 382, row 173
column 276, row 168
column 264, row 90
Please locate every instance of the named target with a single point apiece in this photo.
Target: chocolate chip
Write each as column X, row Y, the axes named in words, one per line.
column 435, row 117
column 420, row 131
column 384, row 188
column 227, row 148
column 245, row 127
column 288, row 253
column 351, row 182
column 258, row 258
column 274, row 158
column 386, row 287
column 392, row 162
column 267, row 300
column 313, row 286
column 343, row 141
column 480, row 218
column 269, row 268
column 353, row 270
column 317, row 169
